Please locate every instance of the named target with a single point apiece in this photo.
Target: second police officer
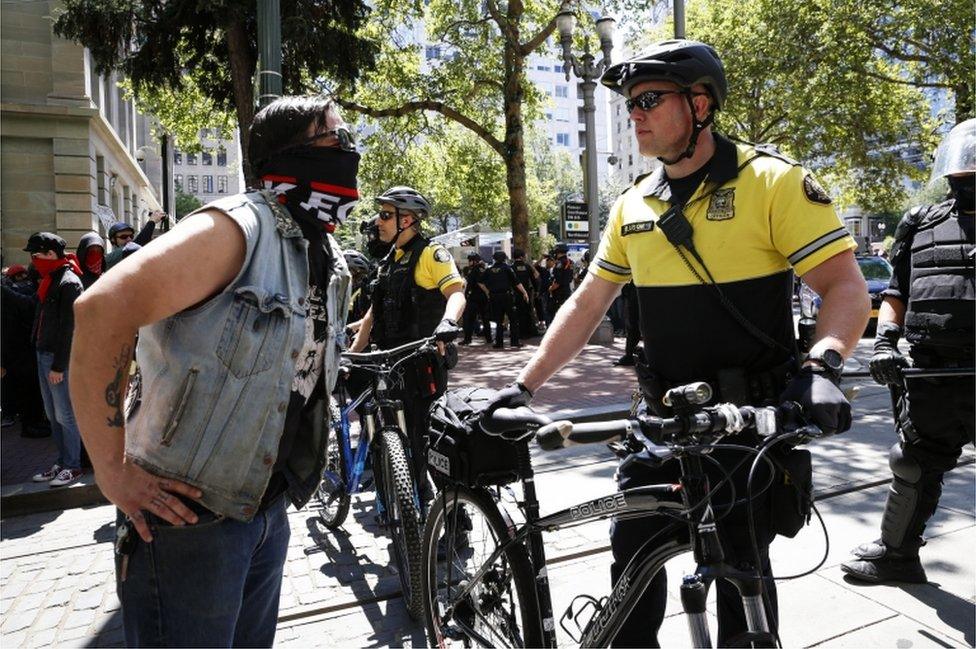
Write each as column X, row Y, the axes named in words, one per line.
column 561, row 286
column 500, row 281
column 476, row 307
column 930, row 300
column 528, row 277
column 418, row 292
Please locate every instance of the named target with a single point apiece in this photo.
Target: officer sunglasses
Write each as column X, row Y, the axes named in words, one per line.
column 386, row 215
column 650, row 99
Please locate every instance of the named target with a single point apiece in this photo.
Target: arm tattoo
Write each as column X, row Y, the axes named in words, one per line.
column 115, row 391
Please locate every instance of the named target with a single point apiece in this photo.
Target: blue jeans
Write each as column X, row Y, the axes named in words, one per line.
column 213, row 584
column 57, row 405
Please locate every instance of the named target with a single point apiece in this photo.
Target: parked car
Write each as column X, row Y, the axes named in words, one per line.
column 877, row 273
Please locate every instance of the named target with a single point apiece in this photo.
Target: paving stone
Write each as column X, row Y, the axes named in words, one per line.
column 89, row 600
column 59, row 597
column 43, row 638
column 48, row 619
column 80, row 619
column 26, row 603
column 18, row 621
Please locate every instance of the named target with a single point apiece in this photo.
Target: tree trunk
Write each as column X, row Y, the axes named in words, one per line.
column 515, row 139
column 964, row 101
column 242, row 63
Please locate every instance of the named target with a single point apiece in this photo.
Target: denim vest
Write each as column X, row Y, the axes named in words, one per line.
column 217, row 378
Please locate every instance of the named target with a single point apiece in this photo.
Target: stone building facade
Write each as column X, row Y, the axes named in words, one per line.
column 74, row 153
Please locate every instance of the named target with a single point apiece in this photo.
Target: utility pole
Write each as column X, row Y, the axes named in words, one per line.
column 679, row 18
column 269, row 51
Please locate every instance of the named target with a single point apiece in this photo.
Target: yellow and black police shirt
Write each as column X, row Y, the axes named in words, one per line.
column 757, row 217
column 435, row 269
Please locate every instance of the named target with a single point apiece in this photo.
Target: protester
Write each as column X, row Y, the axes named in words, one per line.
column 122, row 233
column 238, row 309
column 21, row 390
column 91, row 258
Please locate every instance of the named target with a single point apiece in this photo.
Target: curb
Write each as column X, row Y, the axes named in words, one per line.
column 36, row 497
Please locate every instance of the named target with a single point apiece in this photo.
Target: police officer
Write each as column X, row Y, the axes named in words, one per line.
column 418, row 292
column 476, row 307
column 528, row 277
column 930, row 299
column 360, row 300
column 542, row 293
column 562, row 279
column 499, row 281
column 756, row 219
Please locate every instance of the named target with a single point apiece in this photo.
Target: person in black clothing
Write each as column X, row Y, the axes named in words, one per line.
column 18, row 357
column 122, row 233
column 525, row 309
column 562, row 279
column 499, row 281
column 476, row 306
column 542, row 292
column 53, row 330
column 631, row 323
column 91, row 258
column 931, row 298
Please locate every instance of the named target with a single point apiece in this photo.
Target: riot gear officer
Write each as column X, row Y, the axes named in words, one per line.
column 528, row 277
column 500, row 281
column 562, row 279
column 476, row 307
column 930, row 300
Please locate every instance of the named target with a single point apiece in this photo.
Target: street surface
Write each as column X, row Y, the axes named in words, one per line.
column 57, row 576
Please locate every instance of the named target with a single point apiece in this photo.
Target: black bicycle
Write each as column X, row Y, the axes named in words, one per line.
column 384, row 439
column 492, row 589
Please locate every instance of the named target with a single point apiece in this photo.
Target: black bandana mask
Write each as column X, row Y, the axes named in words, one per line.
column 318, row 184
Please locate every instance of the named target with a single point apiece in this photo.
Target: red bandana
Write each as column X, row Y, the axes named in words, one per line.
column 47, row 266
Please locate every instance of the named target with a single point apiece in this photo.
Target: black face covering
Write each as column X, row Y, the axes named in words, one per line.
column 318, row 186
column 963, row 189
column 318, row 183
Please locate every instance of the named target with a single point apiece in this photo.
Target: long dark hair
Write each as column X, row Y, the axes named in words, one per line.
column 285, row 123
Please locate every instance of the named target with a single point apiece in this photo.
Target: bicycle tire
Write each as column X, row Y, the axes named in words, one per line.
column 403, row 519
column 513, row 566
column 334, row 498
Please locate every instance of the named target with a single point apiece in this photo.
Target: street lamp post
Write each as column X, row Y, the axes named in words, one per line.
column 588, row 70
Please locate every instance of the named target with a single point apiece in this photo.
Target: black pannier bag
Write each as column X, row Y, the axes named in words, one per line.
column 460, row 451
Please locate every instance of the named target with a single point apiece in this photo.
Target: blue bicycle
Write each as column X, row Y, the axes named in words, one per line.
column 383, row 441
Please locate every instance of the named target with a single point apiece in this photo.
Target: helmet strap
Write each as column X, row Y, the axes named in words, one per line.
column 696, row 128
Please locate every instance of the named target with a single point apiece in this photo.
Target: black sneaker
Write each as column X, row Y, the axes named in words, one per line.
column 877, row 564
column 627, row 360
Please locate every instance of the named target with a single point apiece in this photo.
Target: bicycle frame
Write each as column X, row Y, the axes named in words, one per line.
column 354, row 459
column 650, row 558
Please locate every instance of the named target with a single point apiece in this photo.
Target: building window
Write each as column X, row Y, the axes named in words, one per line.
column 191, row 159
column 433, row 52
column 854, row 226
column 206, row 158
column 562, row 139
column 221, row 157
column 192, row 185
column 177, row 157
column 542, row 68
column 178, row 180
column 208, row 185
column 630, row 159
column 562, row 91
column 630, row 177
column 221, row 184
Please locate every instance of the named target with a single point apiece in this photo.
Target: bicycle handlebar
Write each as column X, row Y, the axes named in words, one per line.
column 920, row 373
column 386, row 354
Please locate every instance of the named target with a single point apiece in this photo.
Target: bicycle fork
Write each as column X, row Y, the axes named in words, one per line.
column 537, row 551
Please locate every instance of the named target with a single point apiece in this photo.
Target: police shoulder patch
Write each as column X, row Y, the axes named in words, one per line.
column 442, row 255
column 633, row 228
column 814, row 192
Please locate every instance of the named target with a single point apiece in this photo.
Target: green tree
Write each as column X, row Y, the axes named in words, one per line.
column 185, row 203
column 478, row 81
column 212, row 46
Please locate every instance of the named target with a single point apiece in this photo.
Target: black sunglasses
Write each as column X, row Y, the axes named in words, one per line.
column 386, row 215
column 347, row 142
column 648, row 99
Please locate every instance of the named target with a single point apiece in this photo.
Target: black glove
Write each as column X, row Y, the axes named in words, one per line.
column 887, row 362
column 447, row 331
column 822, row 401
column 512, row 395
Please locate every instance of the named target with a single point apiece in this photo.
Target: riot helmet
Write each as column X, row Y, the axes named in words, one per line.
column 957, row 152
column 473, row 256
column 499, row 256
column 357, row 262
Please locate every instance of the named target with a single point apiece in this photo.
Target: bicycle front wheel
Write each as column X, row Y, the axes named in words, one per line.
column 332, row 492
column 463, row 529
column 403, row 518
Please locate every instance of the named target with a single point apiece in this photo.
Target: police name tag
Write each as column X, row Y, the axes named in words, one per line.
column 439, row 461
column 633, row 228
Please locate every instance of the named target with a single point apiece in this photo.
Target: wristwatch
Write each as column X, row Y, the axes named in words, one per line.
column 829, row 361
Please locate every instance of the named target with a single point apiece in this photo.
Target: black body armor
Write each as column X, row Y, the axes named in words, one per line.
column 942, row 294
column 403, row 311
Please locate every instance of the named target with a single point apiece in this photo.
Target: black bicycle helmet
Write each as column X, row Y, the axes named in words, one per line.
column 678, row 61
column 356, row 261
column 405, row 198
column 681, row 62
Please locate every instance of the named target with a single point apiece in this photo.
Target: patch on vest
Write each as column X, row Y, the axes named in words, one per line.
column 442, row 255
column 721, row 207
column 633, row 228
column 815, row 193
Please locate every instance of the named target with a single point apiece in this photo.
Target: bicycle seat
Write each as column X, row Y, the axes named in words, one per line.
column 514, row 424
